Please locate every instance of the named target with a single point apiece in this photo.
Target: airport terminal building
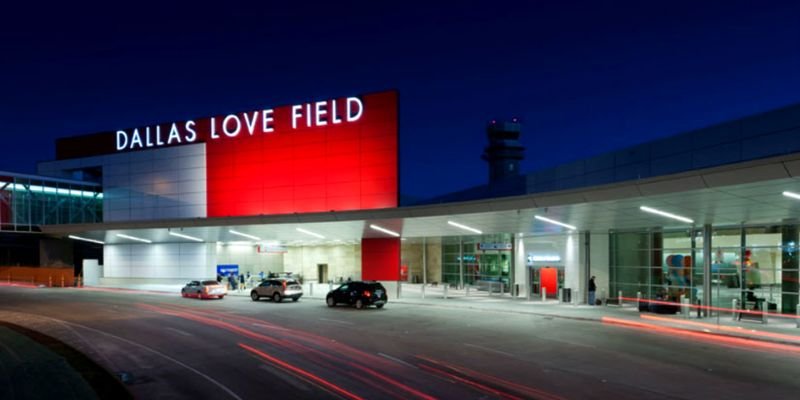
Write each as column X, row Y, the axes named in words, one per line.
column 313, row 189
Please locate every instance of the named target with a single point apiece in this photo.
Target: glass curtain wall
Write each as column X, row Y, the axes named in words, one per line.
column 474, row 260
column 26, row 203
column 758, row 266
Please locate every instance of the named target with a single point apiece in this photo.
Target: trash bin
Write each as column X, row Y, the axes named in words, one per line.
column 566, row 295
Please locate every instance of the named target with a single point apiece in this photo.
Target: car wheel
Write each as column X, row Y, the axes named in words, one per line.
column 330, row 301
column 379, row 305
column 254, row 295
column 359, row 304
column 295, row 298
column 277, row 297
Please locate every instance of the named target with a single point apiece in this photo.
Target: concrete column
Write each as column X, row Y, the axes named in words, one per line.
column 706, row 268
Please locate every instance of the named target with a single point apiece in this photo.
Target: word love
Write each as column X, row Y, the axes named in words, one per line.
column 306, row 115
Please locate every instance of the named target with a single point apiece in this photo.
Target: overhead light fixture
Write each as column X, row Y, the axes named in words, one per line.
column 403, row 238
column 86, row 239
column 466, row 228
column 384, row 230
column 134, row 238
column 244, row 234
column 792, row 195
column 307, row 232
column 180, row 235
column 554, row 222
column 666, row 214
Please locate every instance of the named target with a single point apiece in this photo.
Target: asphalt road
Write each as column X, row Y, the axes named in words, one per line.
column 165, row 346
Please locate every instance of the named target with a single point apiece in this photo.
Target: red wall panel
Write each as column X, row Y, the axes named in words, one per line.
column 380, row 259
column 339, row 167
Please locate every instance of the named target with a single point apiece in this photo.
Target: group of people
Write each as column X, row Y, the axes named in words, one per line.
column 239, row 281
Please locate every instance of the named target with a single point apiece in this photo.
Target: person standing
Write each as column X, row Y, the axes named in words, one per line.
column 241, row 282
column 592, row 290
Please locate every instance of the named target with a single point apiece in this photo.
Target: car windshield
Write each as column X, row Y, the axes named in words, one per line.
column 209, row 283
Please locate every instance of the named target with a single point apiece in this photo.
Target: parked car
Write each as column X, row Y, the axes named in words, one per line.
column 359, row 293
column 204, row 290
column 277, row 290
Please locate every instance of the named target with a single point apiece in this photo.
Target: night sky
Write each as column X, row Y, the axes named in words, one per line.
column 584, row 77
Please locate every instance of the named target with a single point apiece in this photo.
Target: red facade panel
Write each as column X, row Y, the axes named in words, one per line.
column 380, row 259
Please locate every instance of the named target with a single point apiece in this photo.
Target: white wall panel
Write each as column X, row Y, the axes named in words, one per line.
column 168, row 260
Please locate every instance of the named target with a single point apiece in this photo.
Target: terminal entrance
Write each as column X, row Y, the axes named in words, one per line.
column 546, row 279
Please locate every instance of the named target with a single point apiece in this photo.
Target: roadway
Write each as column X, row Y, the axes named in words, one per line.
column 168, row 347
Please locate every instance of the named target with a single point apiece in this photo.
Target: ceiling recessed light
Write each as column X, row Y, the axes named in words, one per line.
column 138, row 239
column 792, row 195
column 180, row 235
column 244, row 234
column 554, row 222
column 86, row 239
column 666, row 214
column 464, row 227
column 384, row 230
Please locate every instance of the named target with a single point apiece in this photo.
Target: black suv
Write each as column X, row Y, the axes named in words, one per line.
column 359, row 293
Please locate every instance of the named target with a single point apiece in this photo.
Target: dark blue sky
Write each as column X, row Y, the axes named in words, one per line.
column 585, row 77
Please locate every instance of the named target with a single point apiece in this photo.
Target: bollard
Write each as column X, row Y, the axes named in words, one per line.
column 80, row 281
column 619, row 298
column 447, row 285
column 560, row 295
column 638, row 299
column 310, row 290
column 699, row 308
column 50, row 281
column 544, row 294
column 735, row 309
column 685, row 303
column 467, row 290
column 502, row 289
column 62, row 280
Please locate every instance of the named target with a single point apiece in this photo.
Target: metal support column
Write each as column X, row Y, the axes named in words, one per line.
column 587, row 267
column 460, row 262
column 706, row 269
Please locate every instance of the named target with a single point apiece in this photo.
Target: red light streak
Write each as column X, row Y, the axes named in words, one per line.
column 739, row 343
column 723, row 328
column 711, row 308
column 308, row 375
column 476, row 385
column 527, row 390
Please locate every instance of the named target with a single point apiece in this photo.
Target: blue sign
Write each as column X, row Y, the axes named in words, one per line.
column 227, row 269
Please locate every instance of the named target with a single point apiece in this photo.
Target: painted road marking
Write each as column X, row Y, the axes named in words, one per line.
column 336, row 321
column 178, row 331
column 397, row 360
column 489, row 349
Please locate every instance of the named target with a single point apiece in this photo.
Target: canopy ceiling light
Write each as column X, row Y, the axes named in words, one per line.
column 244, row 234
column 86, row 239
column 180, row 235
column 464, row 227
column 384, row 230
column 554, row 222
column 307, row 232
column 792, row 195
column 666, row 214
column 134, row 238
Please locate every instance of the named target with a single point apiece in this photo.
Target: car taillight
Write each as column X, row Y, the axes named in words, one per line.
column 367, row 293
